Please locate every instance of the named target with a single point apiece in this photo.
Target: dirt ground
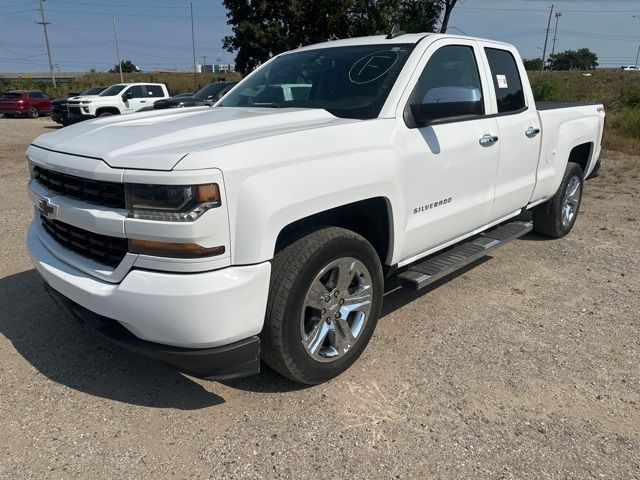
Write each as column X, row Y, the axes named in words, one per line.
column 525, row 366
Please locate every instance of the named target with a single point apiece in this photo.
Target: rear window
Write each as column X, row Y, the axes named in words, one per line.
column 506, row 80
column 154, row 90
column 36, row 95
column 11, row 95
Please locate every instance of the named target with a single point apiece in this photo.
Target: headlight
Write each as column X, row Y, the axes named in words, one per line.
column 171, row 203
column 85, row 102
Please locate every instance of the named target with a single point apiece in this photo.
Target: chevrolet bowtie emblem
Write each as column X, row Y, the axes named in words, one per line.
column 47, row 208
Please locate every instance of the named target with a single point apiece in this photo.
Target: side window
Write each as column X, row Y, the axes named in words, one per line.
column 154, row 91
column 448, row 88
column 506, row 80
column 137, row 91
column 35, row 95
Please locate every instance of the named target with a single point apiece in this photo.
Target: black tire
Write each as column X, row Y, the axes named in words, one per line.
column 548, row 217
column 294, row 269
column 33, row 112
column 106, row 114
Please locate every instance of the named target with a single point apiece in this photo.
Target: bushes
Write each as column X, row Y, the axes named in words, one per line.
column 546, row 89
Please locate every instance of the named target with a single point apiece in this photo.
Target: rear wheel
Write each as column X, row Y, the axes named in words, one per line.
column 33, row 112
column 324, row 302
column 556, row 217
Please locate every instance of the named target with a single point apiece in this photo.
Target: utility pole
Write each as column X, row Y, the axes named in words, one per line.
column 204, row 62
column 115, row 32
column 638, row 55
column 546, row 40
column 555, row 33
column 44, row 24
column 193, row 46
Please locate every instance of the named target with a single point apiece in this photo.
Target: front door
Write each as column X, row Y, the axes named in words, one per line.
column 452, row 148
column 135, row 99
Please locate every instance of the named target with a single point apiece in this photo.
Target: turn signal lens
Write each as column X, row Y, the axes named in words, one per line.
column 208, row 193
column 173, row 250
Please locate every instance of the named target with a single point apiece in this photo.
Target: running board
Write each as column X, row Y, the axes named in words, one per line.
column 425, row 273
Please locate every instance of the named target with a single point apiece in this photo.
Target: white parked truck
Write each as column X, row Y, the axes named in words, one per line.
column 265, row 227
column 116, row 100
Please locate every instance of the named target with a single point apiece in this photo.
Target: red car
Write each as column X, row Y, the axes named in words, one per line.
column 25, row 103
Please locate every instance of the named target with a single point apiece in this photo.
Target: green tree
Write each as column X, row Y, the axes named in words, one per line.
column 127, row 67
column 532, row 64
column 583, row 59
column 263, row 28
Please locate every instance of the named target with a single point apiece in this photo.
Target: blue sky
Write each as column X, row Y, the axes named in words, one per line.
column 157, row 33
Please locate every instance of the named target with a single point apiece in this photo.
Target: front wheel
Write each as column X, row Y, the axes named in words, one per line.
column 324, row 302
column 33, row 112
column 556, row 217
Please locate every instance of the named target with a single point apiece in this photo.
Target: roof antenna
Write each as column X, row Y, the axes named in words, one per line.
column 395, row 32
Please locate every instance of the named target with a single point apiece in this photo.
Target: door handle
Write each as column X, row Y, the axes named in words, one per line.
column 532, row 131
column 487, row 140
column 143, row 101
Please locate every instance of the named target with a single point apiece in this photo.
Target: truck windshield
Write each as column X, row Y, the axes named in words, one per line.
column 209, row 91
column 349, row 82
column 93, row 91
column 112, row 90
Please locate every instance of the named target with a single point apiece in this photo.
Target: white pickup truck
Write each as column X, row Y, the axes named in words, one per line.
column 116, row 100
column 265, row 227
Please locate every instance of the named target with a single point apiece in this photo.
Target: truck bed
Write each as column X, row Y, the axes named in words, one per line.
column 555, row 105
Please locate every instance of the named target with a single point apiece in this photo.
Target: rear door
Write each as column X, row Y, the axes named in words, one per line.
column 518, row 126
column 451, row 162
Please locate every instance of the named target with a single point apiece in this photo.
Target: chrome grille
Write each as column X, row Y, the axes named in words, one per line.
column 108, row 194
column 101, row 248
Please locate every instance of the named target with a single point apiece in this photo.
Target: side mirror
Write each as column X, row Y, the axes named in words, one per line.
column 128, row 95
column 444, row 103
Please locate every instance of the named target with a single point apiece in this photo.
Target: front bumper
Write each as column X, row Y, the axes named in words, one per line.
column 79, row 117
column 204, row 324
column 238, row 359
column 190, row 310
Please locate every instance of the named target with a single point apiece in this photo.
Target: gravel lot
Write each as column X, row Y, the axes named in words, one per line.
column 525, row 366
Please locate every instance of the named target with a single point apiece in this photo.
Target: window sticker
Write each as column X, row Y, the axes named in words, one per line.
column 502, row 81
column 372, row 67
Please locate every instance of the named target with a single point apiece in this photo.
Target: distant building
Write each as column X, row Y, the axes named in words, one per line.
column 206, row 68
column 224, row 67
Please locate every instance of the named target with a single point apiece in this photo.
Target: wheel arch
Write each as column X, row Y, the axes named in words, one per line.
column 581, row 154
column 113, row 110
column 371, row 218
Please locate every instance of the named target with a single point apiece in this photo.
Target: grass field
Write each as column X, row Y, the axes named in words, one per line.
column 619, row 91
column 176, row 82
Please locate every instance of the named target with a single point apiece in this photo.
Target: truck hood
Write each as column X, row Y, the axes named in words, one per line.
column 158, row 140
column 88, row 97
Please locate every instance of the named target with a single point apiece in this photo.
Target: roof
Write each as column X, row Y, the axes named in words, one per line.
column 407, row 38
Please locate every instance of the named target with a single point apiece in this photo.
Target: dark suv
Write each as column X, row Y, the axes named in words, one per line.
column 59, row 111
column 207, row 95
